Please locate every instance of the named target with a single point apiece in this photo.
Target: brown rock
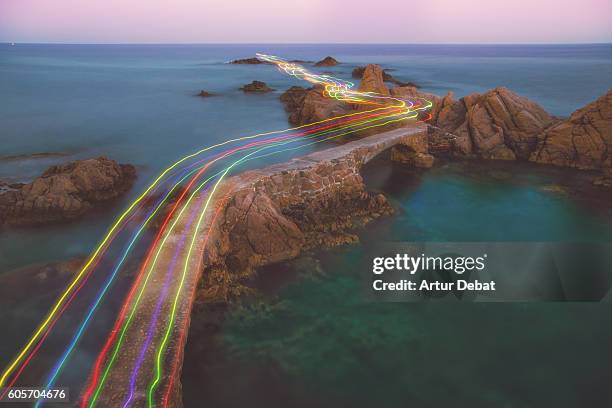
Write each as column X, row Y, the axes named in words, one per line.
column 372, row 80
column 326, row 62
column 204, row 94
column 496, row 125
column 311, row 105
column 256, row 86
column 248, row 61
column 65, row 192
column 583, row 141
column 358, row 73
column 413, row 152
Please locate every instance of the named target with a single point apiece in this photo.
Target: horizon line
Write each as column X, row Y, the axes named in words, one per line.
column 4, row 42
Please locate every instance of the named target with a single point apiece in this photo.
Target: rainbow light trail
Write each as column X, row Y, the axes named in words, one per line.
column 185, row 198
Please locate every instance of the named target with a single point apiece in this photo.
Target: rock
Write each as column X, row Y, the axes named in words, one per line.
column 65, row 192
column 311, row 105
column 257, row 86
column 358, row 73
column 204, row 94
column 583, row 141
column 274, row 214
column 413, row 152
column 326, row 62
column 252, row 61
column 604, row 180
column 372, row 80
column 496, row 125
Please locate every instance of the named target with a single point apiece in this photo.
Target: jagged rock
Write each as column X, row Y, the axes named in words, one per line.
column 358, row 73
column 372, row 80
column 583, row 141
column 256, row 86
column 326, row 62
column 498, row 124
column 204, row 94
column 252, row 61
column 65, row 192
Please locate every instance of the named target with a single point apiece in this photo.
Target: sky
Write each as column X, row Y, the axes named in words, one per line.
column 300, row 21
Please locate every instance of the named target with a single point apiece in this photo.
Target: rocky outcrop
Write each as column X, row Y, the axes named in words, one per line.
column 274, row 214
column 583, row 141
column 359, row 71
column 326, row 62
column 204, row 94
column 372, row 80
column 248, row 61
column 311, row 105
column 498, row 124
column 65, row 192
column 307, row 105
column 256, row 87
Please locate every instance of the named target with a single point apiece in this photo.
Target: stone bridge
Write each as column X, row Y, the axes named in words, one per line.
column 258, row 217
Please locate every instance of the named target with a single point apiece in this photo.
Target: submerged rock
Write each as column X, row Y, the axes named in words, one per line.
column 65, row 192
column 326, row 62
column 256, row 86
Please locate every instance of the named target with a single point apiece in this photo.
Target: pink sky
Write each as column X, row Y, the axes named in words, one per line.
column 327, row 21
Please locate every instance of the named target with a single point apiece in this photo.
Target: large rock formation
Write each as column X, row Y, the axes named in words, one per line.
column 65, row 192
column 498, row 124
column 326, row 62
column 583, row 141
column 372, row 80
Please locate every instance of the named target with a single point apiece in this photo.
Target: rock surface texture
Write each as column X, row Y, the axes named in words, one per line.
column 498, row 124
column 65, row 192
column 583, row 141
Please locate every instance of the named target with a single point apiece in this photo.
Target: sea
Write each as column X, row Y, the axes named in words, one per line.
column 311, row 340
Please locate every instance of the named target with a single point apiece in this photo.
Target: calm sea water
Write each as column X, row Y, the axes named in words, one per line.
column 311, row 338
column 136, row 103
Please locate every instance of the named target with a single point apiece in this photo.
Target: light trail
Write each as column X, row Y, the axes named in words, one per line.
column 386, row 110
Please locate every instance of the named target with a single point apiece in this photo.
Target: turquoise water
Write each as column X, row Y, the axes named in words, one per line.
column 136, row 104
column 316, row 340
